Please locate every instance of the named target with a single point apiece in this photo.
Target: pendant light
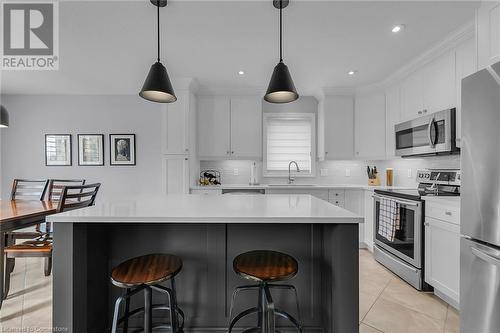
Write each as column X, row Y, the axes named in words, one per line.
column 4, row 117
column 157, row 87
column 281, row 88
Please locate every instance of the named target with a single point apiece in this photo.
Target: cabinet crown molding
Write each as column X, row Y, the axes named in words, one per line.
column 450, row 42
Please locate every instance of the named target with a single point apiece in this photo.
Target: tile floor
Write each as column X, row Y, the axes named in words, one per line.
column 387, row 304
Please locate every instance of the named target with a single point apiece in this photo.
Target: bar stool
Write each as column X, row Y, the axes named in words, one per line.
column 145, row 274
column 265, row 268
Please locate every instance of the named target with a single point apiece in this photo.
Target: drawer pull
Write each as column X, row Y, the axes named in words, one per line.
column 448, row 213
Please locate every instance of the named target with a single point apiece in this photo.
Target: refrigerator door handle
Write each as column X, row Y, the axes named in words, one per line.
column 489, row 258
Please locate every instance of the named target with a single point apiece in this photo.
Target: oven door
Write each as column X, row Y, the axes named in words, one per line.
column 430, row 134
column 407, row 243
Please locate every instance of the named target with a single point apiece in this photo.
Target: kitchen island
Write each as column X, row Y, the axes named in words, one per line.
column 207, row 232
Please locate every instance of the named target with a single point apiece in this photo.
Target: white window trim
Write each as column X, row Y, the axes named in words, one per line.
column 283, row 174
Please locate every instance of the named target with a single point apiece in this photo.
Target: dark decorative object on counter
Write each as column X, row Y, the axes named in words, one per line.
column 281, row 88
column 209, row 177
column 157, row 87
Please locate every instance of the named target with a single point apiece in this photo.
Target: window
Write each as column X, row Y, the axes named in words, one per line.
column 289, row 137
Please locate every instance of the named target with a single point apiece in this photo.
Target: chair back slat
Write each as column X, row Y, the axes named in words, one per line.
column 28, row 189
column 56, row 186
column 77, row 196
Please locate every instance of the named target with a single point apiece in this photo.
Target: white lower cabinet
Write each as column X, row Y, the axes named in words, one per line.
column 176, row 174
column 369, row 221
column 442, row 258
column 354, row 201
column 337, row 197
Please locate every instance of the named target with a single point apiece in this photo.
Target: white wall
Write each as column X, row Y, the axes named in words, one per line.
column 31, row 117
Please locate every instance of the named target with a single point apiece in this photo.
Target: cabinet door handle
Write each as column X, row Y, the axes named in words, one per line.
column 419, row 112
column 448, row 213
column 232, row 152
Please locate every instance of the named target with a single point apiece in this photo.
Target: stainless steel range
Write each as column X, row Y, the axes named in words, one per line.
column 403, row 211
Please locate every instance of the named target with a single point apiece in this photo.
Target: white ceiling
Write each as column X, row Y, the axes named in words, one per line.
column 107, row 47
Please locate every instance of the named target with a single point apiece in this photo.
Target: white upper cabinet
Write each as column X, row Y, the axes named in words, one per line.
column 246, row 126
column 213, row 126
column 412, row 92
column 429, row 89
column 392, row 117
column 370, row 126
column 488, row 33
column 178, row 125
column 339, row 127
column 229, row 127
column 466, row 65
column 439, row 84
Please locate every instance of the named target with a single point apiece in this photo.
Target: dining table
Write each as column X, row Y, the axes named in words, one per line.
column 20, row 214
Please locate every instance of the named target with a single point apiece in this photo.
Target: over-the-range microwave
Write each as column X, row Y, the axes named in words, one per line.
column 432, row 134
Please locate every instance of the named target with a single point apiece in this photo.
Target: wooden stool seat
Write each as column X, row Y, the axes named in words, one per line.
column 27, row 247
column 150, row 269
column 265, row 266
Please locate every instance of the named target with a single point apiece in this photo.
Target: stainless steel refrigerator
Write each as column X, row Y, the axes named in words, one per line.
column 480, row 203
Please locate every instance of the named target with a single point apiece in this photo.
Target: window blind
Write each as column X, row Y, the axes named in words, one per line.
column 289, row 139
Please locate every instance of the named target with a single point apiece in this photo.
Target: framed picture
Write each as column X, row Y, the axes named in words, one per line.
column 122, row 149
column 90, row 149
column 58, row 149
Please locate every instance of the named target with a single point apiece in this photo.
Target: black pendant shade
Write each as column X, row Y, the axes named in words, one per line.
column 281, row 88
column 157, row 87
column 4, row 117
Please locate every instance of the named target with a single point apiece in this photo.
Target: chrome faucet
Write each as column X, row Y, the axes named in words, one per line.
column 290, row 178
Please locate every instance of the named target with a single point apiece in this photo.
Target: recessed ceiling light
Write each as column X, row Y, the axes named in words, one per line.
column 352, row 72
column 397, row 28
column 241, row 72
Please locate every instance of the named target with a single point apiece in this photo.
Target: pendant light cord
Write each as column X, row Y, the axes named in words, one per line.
column 158, row 23
column 281, row 31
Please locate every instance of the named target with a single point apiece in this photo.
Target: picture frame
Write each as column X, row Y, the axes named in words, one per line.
column 58, row 150
column 122, row 150
column 91, row 149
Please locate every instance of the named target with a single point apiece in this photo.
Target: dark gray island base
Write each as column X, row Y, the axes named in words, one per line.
column 84, row 254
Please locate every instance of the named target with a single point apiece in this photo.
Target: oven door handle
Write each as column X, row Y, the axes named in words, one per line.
column 402, row 202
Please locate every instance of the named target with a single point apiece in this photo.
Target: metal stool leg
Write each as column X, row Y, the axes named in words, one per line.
column 292, row 288
column 127, row 310
column 173, row 307
column 148, row 324
column 268, row 309
column 236, row 291
column 116, row 313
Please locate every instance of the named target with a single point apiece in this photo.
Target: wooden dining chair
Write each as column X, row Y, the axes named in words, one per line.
column 55, row 190
column 72, row 197
column 27, row 189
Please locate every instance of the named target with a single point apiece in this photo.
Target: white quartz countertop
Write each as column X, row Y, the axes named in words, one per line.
column 298, row 186
column 212, row 209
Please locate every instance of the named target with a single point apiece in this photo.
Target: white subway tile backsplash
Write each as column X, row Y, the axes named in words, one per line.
column 337, row 172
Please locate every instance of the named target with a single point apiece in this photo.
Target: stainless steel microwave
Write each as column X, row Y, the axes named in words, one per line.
column 433, row 134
